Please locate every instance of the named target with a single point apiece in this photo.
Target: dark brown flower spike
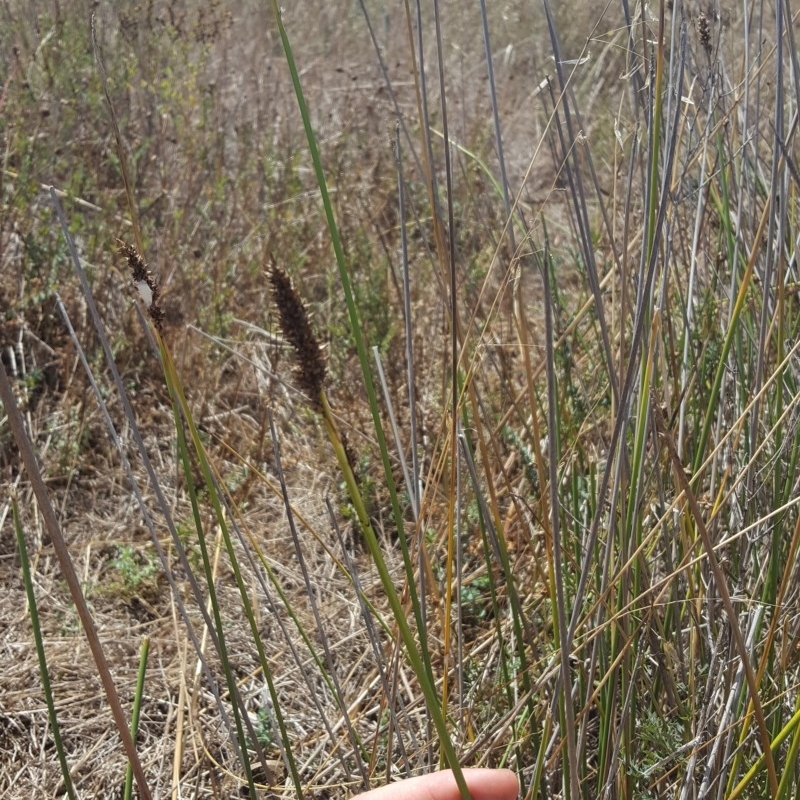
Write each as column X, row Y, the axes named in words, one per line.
column 145, row 282
column 704, row 31
column 296, row 327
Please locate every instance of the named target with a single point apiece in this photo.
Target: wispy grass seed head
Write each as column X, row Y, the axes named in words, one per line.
column 295, row 325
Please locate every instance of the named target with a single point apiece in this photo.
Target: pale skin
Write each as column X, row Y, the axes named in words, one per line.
column 483, row 784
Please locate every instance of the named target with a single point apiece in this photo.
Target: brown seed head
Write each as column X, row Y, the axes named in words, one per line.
column 704, row 32
column 296, row 327
column 145, row 282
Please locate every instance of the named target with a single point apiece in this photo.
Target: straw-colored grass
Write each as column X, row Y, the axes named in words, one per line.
column 400, row 455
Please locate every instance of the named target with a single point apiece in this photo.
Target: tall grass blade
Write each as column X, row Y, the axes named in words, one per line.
column 137, row 710
column 40, row 653
column 420, row 661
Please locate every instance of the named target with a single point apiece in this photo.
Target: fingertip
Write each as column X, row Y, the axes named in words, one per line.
column 512, row 781
column 492, row 784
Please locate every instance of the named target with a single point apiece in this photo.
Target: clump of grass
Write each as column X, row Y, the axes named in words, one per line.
column 589, row 574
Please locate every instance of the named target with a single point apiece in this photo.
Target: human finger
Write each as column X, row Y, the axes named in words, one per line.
column 483, row 784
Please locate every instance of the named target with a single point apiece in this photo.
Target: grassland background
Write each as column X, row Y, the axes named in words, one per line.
column 223, row 184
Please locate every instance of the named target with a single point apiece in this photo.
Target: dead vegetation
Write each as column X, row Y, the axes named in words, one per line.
column 224, row 186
